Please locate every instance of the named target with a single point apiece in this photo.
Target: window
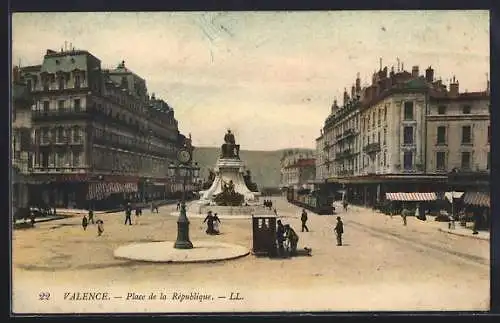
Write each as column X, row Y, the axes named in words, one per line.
column 441, row 135
column 466, row 109
column 440, row 160
column 466, row 135
column 385, row 158
column 77, row 81
column 60, row 134
column 385, row 136
column 60, row 159
column 29, row 86
column 489, row 134
column 385, row 113
column 60, row 105
column 442, row 109
column 408, row 110
column 46, row 106
column 408, row 160
column 408, row 135
column 76, row 158
column 379, row 117
column 76, row 134
column 378, row 137
column 488, row 161
column 373, row 120
column 76, row 104
column 466, row 160
column 61, row 83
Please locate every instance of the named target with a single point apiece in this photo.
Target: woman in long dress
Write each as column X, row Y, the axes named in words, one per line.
column 216, row 224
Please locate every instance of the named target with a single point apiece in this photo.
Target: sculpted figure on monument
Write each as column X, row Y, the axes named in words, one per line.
column 229, row 149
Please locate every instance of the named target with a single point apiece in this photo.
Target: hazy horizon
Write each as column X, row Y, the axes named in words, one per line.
column 270, row 77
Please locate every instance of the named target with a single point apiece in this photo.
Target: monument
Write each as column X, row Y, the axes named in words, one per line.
column 229, row 178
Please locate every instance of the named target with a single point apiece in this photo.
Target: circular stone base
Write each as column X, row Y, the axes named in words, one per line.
column 203, row 251
column 221, row 216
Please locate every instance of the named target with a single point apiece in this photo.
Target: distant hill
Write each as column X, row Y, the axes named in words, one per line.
column 264, row 165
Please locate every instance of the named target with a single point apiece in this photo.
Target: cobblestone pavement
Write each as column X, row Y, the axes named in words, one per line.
column 383, row 265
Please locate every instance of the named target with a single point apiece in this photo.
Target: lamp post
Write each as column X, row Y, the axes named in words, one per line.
column 185, row 168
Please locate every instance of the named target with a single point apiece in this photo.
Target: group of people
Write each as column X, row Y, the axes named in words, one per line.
column 90, row 220
column 287, row 239
column 268, row 204
column 213, row 223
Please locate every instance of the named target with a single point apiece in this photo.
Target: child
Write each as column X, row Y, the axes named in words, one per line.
column 85, row 222
column 100, row 227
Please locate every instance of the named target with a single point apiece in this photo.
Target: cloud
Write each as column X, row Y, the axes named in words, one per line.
column 271, row 76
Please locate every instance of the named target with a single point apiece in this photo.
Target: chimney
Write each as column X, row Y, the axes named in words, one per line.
column 429, row 75
column 358, row 83
column 353, row 92
column 346, row 96
column 414, row 71
column 454, row 89
column 487, row 84
column 16, row 75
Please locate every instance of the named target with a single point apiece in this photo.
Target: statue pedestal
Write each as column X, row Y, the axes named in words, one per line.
column 226, row 170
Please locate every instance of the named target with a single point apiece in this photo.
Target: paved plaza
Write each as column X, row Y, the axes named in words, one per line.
column 383, row 265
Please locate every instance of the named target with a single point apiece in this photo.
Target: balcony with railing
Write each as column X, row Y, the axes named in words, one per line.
column 60, row 114
column 346, row 172
column 372, row 148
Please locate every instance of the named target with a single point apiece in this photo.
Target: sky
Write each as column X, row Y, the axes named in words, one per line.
column 270, row 77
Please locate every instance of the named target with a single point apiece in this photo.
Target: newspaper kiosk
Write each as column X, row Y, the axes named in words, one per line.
column 264, row 235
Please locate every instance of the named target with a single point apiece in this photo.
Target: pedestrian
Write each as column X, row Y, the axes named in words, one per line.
column 100, row 227
column 339, row 231
column 91, row 216
column 293, row 240
column 403, row 216
column 303, row 219
column 128, row 214
column 216, row 224
column 451, row 223
column 210, row 223
column 345, row 204
column 85, row 222
column 178, row 205
column 138, row 212
column 275, row 212
column 280, row 237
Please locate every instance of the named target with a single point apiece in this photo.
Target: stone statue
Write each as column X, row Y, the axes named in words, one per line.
column 229, row 138
column 230, row 149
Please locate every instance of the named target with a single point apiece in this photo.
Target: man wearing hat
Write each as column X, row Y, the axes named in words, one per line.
column 339, row 230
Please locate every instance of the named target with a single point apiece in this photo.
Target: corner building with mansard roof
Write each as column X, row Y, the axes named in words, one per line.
column 383, row 137
column 98, row 138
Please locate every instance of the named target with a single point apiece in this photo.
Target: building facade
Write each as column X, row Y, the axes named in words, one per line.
column 459, row 134
column 383, row 138
column 20, row 143
column 298, row 169
column 98, row 137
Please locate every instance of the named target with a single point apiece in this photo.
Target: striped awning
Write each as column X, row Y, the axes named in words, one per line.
column 411, row 196
column 99, row 191
column 477, row 198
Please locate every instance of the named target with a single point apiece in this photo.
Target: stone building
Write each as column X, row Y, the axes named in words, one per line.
column 20, row 142
column 97, row 135
column 458, row 137
column 379, row 138
column 298, row 169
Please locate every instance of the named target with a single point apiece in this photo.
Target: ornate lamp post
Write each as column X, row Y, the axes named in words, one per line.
column 185, row 168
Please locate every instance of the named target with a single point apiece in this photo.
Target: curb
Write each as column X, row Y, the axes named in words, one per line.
column 173, row 262
column 464, row 235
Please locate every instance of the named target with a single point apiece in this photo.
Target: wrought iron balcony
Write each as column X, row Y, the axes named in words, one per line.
column 60, row 114
column 346, row 172
column 374, row 147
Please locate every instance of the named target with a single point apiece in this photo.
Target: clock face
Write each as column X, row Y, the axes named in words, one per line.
column 184, row 156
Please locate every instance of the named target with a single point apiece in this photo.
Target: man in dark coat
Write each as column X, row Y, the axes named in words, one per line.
column 303, row 219
column 128, row 214
column 280, row 237
column 339, row 230
column 85, row 222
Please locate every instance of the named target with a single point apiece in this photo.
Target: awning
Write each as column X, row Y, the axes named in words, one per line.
column 477, row 198
column 455, row 195
column 411, row 196
column 100, row 191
